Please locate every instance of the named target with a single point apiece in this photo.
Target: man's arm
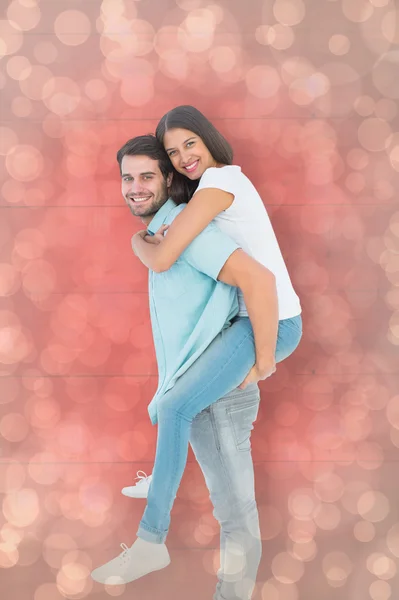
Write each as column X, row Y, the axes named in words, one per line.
column 258, row 286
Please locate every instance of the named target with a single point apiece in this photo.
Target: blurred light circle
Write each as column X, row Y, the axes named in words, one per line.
column 329, row 487
column 289, row 12
column 8, row 555
column 61, row 95
column 263, row 81
column 19, row 67
column 392, row 411
column 44, row 469
column 392, row 540
column 302, row 503
column 385, row 73
column 22, row 15
column 21, row 107
column 373, row 506
column 337, row 566
column 327, row 516
column 96, row 89
column 222, row 59
column 33, row 86
column 380, row 590
column 45, row 52
column 275, row 590
column 286, row 568
column 11, row 38
column 303, row 91
column 394, row 157
column 301, row 532
column 374, row 134
column 339, row 44
column 390, row 26
column 21, row 508
column 381, row 566
column 29, row 243
column 386, row 109
column 72, row 27
column 188, row 4
column 9, row 389
column 304, row 552
column 281, row 37
column 8, row 139
column 39, row 276
column 355, row 182
column 139, row 90
column 12, row 478
column 47, row 591
column 357, row 10
column 364, row 531
column 14, row 427
column 364, row 105
column 357, row 158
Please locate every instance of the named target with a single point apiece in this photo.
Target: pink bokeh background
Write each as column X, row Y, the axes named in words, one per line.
column 307, row 93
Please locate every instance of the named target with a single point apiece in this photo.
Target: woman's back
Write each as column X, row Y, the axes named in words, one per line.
column 246, row 221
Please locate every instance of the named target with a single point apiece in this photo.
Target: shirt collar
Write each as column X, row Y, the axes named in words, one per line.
column 161, row 216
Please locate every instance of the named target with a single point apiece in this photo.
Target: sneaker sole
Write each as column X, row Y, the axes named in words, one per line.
column 132, row 494
column 125, row 581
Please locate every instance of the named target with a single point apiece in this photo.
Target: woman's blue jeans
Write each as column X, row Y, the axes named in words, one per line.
column 219, row 370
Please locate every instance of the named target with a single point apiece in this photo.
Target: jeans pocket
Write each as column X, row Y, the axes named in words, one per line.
column 242, row 417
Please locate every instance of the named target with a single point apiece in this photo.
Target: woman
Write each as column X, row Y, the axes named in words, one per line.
column 217, row 191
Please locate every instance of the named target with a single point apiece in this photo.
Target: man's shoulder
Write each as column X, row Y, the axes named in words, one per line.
column 175, row 211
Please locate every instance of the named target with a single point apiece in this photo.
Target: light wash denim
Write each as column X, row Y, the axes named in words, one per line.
column 220, row 439
column 219, row 370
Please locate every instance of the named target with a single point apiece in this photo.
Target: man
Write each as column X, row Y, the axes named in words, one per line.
column 194, row 298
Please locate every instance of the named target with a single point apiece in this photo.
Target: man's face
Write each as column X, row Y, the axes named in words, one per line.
column 143, row 186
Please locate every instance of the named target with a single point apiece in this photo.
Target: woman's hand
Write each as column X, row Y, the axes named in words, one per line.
column 258, row 373
column 150, row 239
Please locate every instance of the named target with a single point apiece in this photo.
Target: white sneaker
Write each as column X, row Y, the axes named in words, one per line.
column 135, row 562
column 140, row 489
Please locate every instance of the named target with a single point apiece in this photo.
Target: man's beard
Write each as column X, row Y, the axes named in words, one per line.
column 155, row 205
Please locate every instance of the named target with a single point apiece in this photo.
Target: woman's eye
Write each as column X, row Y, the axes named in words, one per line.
column 189, row 144
column 171, row 153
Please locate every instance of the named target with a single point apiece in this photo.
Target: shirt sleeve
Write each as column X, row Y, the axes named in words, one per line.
column 209, row 251
column 219, row 178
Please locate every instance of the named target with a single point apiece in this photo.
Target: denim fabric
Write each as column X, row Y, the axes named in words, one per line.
column 220, row 438
column 219, row 370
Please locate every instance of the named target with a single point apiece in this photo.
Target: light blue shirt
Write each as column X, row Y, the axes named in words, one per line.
column 188, row 306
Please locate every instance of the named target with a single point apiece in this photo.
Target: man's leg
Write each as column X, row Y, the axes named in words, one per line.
column 220, row 439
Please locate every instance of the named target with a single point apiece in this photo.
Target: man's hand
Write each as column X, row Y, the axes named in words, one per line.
column 259, row 373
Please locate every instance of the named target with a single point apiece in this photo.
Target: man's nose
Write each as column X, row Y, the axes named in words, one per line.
column 135, row 187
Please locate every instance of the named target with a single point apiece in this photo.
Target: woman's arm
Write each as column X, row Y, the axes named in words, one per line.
column 200, row 211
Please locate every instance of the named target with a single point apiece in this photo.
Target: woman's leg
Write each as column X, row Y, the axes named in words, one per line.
column 220, row 369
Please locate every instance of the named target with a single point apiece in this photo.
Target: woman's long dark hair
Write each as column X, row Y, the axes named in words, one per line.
column 189, row 117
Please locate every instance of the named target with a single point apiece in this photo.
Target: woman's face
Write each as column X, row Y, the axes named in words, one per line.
column 188, row 153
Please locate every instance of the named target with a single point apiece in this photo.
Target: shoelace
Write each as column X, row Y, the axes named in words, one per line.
column 142, row 477
column 125, row 552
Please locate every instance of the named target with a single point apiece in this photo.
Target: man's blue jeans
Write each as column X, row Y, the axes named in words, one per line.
column 219, row 370
column 220, row 439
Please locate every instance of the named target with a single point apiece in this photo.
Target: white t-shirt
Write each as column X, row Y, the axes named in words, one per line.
column 246, row 221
